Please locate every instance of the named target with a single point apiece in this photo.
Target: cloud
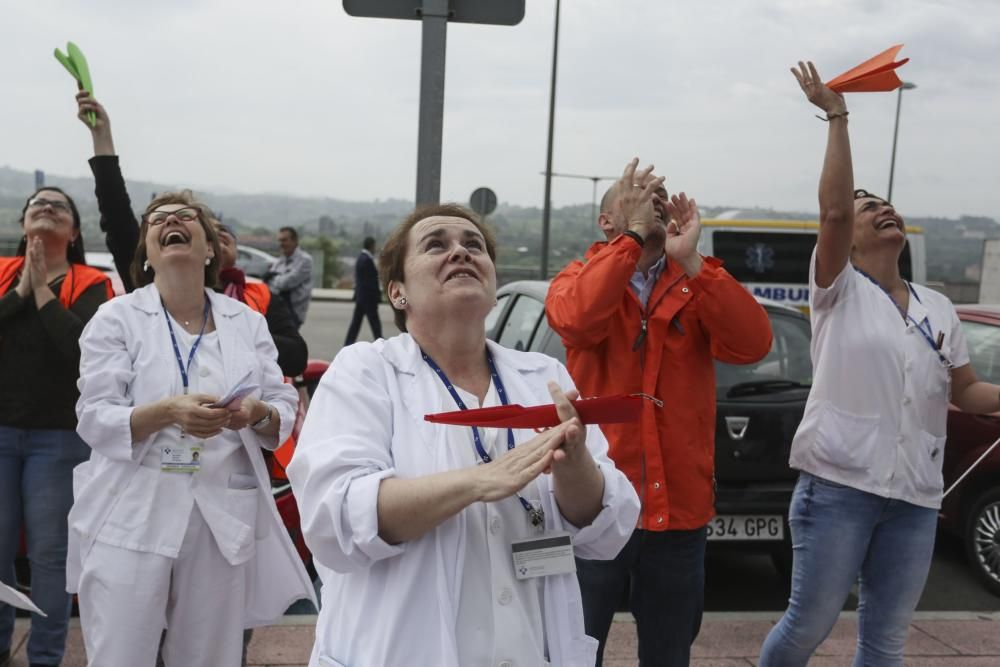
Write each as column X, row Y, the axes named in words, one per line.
column 301, row 98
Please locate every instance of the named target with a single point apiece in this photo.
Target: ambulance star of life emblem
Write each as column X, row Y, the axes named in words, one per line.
column 760, row 257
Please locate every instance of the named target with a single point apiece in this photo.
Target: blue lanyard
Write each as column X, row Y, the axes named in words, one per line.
column 536, row 514
column 923, row 327
column 194, row 348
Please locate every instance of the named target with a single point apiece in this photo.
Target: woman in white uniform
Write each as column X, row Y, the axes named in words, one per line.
column 413, row 526
column 173, row 524
column 887, row 355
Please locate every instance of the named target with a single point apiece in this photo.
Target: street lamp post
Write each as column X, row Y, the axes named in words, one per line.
column 547, row 206
column 895, row 134
column 593, row 179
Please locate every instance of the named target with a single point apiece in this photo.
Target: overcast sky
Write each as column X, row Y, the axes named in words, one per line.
column 297, row 97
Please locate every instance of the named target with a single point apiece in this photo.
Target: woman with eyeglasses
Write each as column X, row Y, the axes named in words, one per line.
column 174, row 525
column 47, row 295
column 888, row 356
column 122, row 231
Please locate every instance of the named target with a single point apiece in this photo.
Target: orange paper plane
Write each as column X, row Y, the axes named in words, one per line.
column 877, row 75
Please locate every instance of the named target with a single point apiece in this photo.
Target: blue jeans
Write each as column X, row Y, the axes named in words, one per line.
column 666, row 593
column 841, row 535
column 36, row 483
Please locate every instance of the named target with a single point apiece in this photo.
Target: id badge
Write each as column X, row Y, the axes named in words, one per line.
column 551, row 553
column 181, row 456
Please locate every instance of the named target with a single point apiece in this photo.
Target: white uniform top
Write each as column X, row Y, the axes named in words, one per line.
column 387, row 604
column 127, row 360
column 225, row 480
column 876, row 416
column 499, row 616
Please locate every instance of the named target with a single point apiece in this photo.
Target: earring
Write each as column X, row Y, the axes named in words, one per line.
column 145, row 266
column 208, row 260
column 402, row 302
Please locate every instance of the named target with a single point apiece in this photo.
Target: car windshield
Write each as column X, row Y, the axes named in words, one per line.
column 786, row 366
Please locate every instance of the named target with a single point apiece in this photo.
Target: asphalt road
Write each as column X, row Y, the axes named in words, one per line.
column 734, row 582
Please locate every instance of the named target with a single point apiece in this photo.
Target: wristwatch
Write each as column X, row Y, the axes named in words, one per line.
column 263, row 421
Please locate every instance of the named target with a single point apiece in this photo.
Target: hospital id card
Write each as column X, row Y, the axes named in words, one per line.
column 551, row 553
column 181, row 456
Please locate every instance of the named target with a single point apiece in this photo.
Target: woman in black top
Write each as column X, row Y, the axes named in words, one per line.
column 47, row 295
column 122, row 229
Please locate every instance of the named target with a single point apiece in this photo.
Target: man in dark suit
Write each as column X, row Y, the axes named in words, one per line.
column 366, row 293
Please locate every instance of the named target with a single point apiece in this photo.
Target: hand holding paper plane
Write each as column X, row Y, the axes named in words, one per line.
column 605, row 410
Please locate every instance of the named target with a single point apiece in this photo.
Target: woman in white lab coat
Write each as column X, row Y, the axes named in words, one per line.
column 411, row 524
column 173, row 524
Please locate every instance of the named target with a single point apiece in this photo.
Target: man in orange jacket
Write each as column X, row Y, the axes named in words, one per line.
column 645, row 313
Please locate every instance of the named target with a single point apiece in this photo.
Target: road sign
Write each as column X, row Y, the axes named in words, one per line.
column 495, row 12
column 483, row 201
column 434, row 16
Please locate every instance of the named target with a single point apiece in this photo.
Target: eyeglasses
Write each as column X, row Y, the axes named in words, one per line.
column 188, row 214
column 41, row 202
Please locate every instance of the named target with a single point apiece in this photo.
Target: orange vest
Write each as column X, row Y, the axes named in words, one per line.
column 257, row 296
column 78, row 280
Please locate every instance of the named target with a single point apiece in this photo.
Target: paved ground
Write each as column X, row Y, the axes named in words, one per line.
column 726, row 640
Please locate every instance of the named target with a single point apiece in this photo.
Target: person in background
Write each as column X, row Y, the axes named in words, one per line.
column 366, row 293
column 291, row 274
column 888, row 356
column 47, row 295
column 411, row 524
column 122, row 236
column 645, row 312
column 173, row 524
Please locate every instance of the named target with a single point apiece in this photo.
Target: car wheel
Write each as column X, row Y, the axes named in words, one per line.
column 982, row 539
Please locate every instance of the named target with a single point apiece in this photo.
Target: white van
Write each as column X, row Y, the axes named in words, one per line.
column 771, row 257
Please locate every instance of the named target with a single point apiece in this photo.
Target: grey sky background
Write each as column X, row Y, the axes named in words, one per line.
column 297, row 97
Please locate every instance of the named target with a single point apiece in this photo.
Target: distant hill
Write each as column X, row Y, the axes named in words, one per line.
column 954, row 245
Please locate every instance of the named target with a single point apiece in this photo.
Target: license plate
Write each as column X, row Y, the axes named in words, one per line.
column 746, row 527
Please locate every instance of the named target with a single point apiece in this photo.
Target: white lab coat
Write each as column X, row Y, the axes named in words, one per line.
column 127, row 360
column 397, row 604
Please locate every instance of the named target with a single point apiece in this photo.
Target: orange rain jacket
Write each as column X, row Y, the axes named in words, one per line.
column 669, row 455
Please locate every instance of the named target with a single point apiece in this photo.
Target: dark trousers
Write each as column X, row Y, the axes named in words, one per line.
column 665, row 575
column 361, row 310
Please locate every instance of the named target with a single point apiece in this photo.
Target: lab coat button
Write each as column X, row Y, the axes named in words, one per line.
column 112, row 491
column 495, row 525
column 203, row 372
column 505, row 596
column 505, row 663
column 906, row 400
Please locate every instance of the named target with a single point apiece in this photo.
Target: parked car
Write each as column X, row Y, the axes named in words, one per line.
column 759, row 407
column 105, row 262
column 254, row 262
column 972, row 510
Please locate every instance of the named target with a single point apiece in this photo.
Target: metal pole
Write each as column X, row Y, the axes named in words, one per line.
column 547, row 209
column 906, row 85
column 434, row 16
column 593, row 199
column 895, row 135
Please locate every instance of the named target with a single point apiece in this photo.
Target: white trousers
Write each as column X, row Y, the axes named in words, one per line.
column 128, row 597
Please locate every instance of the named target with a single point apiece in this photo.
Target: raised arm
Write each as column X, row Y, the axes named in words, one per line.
column 836, row 183
column 117, row 219
column 584, row 297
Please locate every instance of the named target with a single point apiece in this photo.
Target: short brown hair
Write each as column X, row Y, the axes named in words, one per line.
column 393, row 256
column 140, row 275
